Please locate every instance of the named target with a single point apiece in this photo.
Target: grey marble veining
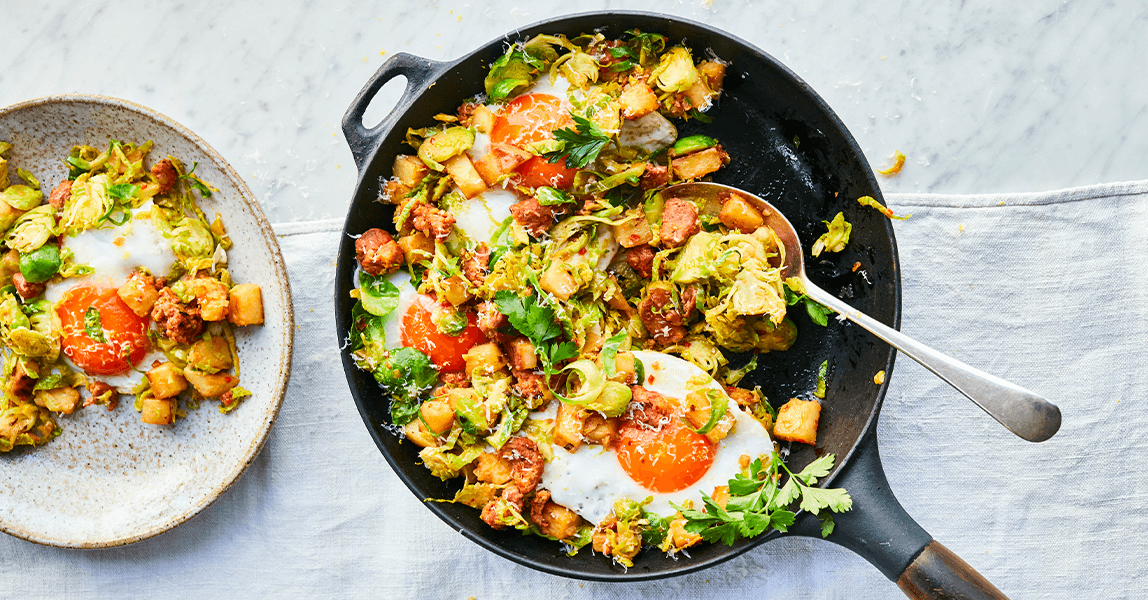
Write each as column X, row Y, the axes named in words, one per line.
column 981, row 96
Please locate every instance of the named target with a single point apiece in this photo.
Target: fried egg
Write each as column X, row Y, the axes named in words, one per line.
column 669, row 463
column 393, row 322
column 114, row 253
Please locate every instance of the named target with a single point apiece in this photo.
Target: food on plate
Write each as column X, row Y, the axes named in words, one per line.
column 552, row 328
column 115, row 283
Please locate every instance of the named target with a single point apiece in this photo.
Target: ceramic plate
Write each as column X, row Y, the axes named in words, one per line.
column 109, row 479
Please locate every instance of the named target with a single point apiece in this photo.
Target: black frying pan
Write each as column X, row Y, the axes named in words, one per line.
column 788, row 147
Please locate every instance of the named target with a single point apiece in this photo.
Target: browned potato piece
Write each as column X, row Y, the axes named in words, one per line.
column 600, row 430
column 714, row 72
column 679, row 537
column 737, row 213
column 213, row 298
column 634, row 231
column 699, row 164
column 482, row 119
column 559, row 522
column 637, row 101
column 438, row 414
column 166, row 380
column 492, row 468
column 419, row 434
column 500, row 161
column 210, row 355
column 410, row 170
column 208, row 385
column 744, row 398
column 454, row 290
column 246, row 305
column 139, row 294
column 416, row 247
column 625, row 367
column 465, row 175
column 484, row 359
column 559, row 280
column 522, row 354
column 699, row 415
column 60, row 400
column 8, row 215
column 797, row 421
column 568, row 426
column 158, row 411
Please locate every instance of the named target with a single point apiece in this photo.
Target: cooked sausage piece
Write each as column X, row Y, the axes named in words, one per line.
column 661, row 318
column 679, row 222
column 436, row 223
column 655, row 176
column 528, row 384
column 491, row 320
column 641, row 260
column 165, row 175
column 526, row 462
column 179, row 321
column 26, row 289
column 532, row 216
column 60, row 194
column 474, row 264
column 378, row 253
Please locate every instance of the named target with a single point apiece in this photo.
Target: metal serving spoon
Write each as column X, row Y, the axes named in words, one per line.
column 1024, row 413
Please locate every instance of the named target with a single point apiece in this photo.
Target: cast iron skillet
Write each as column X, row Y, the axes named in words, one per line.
column 788, row 147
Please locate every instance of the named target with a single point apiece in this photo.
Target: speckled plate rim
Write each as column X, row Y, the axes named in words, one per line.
column 287, row 340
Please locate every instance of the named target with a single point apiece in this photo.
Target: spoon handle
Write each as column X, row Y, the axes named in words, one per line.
column 1022, row 412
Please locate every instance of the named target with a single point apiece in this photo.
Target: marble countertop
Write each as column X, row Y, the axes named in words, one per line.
column 981, row 96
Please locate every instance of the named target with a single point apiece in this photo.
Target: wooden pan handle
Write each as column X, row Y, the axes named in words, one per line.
column 939, row 574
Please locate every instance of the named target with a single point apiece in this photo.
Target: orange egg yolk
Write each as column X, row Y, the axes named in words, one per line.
column 666, row 459
column 529, row 119
column 125, row 341
column 420, row 332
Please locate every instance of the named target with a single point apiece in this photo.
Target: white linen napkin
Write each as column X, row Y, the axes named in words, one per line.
column 1048, row 290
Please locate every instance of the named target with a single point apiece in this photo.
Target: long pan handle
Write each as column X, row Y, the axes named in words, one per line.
column 880, row 531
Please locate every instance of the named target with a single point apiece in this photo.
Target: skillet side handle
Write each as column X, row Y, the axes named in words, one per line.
column 418, row 71
column 880, row 531
column 938, row 573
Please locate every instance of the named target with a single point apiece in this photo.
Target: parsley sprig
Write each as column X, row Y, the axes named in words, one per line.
column 580, row 147
column 538, row 323
column 756, row 503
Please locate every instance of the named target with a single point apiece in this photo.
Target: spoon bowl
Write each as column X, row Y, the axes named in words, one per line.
column 1021, row 411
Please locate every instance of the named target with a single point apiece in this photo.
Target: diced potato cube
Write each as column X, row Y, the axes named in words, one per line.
column 625, row 368
column 416, row 247
column 698, row 407
column 438, row 414
column 522, row 354
column 8, row 215
column 213, row 298
column 482, row 119
column 419, row 434
column 410, row 170
column 158, row 411
column 139, row 294
column 246, row 305
column 738, row 213
column 744, row 398
column 166, row 380
column 714, row 73
column 484, row 359
column 637, row 101
column 492, row 468
column 559, row 522
column 465, row 176
column 720, row 495
column 679, row 537
column 455, row 290
column 210, row 355
column 60, row 400
column 500, row 161
column 797, row 421
column 559, row 280
column 699, row 95
column 634, row 230
column 600, row 430
column 568, row 426
column 210, row 385
column 699, row 164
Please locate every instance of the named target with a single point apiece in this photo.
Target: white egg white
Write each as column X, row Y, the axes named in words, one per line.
column 480, row 216
column 114, row 253
column 589, row 480
column 392, row 323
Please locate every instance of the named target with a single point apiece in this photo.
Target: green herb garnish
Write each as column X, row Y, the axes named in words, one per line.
column 580, row 147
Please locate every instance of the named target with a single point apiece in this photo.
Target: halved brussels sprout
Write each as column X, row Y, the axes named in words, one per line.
column 32, row 230
column 440, row 147
column 191, row 238
column 22, row 197
column 676, row 71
